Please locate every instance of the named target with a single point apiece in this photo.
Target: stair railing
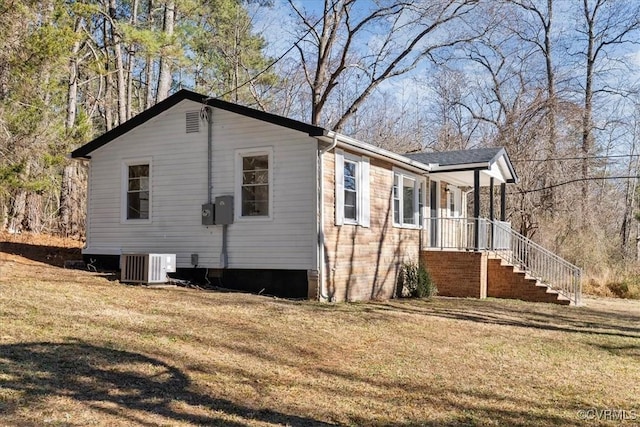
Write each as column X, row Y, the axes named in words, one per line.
column 540, row 263
column 516, row 249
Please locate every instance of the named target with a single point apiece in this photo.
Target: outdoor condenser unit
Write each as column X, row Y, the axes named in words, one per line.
column 147, row 268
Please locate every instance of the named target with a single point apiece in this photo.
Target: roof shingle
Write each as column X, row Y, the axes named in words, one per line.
column 458, row 157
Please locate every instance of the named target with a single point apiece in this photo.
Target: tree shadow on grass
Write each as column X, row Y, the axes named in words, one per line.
column 52, row 255
column 122, row 384
column 526, row 315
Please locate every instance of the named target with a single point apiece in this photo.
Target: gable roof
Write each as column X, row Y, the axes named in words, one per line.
column 143, row 117
column 460, row 160
column 449, row 161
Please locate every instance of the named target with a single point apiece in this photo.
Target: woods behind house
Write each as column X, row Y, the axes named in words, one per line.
column 554, row 82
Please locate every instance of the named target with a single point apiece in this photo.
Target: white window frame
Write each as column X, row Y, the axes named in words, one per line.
column 363, row 202
column 124, row 188
column 239, row 155
column 419, row 189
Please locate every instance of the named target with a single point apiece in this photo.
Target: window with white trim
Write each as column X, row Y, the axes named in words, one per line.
column 253, row 183
column 136, row 190
column 408, row 193
column 352, row 189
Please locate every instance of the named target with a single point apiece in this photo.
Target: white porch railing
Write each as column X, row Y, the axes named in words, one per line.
column 519, row 251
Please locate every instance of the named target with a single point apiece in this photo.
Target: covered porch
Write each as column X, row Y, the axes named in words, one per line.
column 453, row 177
column 462, row 241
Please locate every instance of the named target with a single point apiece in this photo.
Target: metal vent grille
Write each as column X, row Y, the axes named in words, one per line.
column 193, row 121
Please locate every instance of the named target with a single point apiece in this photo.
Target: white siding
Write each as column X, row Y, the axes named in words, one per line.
column 179, row 188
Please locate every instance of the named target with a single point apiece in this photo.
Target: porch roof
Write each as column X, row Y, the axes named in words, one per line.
column 457, row 167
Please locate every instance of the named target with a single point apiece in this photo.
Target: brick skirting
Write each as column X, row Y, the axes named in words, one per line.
column 477, row 275
column 457, row 273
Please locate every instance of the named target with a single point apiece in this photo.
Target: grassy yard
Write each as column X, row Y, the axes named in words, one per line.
column 79, row 349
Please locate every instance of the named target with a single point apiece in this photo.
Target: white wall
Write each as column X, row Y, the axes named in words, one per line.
column 179, row 188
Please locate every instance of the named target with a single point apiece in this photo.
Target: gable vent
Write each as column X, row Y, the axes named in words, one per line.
column 193, row 121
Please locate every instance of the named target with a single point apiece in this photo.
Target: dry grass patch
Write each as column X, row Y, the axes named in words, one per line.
column 78, row 349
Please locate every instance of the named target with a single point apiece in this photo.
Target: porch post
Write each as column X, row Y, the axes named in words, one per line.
column 491, row 212
column 503, row 201
column 476, row 209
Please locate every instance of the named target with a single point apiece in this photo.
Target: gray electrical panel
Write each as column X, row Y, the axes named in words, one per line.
column 224, row 210
column 208, row 212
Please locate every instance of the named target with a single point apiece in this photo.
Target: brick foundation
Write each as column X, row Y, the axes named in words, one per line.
column 457, row 274
column 476, row 275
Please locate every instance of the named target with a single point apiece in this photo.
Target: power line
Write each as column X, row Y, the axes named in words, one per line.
column 611, row 156
column 595, row 178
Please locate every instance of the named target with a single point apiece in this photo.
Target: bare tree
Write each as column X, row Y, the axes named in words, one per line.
column 451, row 126
column 406, row 33
column 540, row 35
column 606, row 24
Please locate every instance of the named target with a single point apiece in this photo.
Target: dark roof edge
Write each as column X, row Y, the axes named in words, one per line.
column 275, row 119
column 183, row 94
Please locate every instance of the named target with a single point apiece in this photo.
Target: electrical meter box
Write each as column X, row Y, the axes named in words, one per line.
column 208, row 210
column 224, row 210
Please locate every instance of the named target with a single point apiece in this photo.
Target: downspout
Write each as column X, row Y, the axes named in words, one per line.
column 320, row 228
column 209, row 118
column 224, row 256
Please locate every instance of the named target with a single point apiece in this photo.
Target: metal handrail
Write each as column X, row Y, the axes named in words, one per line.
column 542, row 264
column 455, row 233
column 516, row 249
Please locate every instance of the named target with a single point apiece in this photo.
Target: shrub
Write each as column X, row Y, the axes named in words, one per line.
column 415, row 281
column 629, row 287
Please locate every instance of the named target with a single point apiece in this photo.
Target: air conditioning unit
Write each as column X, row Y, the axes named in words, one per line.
column 146, row 268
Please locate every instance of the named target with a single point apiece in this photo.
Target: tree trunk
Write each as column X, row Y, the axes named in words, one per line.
column 66, row 194
column 117, row 49
column 588, row 103
column 638, row 242
column 4, row 214
column 164, row 77
column 108, row 81
column 72, row 93
column 33, row 220
column 18, row 207
column 72, row 100
column 130, row 60
column 548, row 199
column 72, row 200
column 18, row 219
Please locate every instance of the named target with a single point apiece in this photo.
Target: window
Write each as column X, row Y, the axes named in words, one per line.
column 409, row 198
column 352, row 189
column 396, row 199
column 408, row 193
column 136, row 182
column 254, row 182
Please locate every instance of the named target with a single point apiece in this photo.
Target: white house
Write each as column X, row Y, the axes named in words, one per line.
column 257, row 201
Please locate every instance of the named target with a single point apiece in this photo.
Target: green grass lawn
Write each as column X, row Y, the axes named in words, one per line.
column 77, row 349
